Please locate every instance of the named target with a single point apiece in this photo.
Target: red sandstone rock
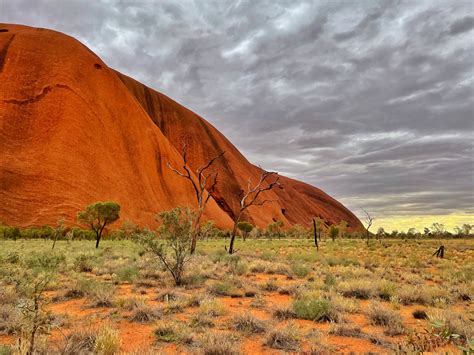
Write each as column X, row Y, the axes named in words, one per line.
column 73, row 131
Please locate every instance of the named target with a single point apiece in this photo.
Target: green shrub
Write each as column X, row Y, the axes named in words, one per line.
column 300, row 270
column 84, row 263
column 127, row 274
column 12, row 257
column 45, row 261
column 313, row 309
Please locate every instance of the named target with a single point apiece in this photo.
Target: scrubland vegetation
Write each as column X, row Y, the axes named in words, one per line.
column 145, row 291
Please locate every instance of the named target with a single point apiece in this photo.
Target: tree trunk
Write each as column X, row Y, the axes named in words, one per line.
column 97, row 241
column 232, row 237
column 315, row 235
column 196, row 230
column 54, row 241
column 440, row 252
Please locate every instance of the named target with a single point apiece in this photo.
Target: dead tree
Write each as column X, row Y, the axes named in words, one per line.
column 315, row 235
column 369, row 220
column 440, row 252
column 249, row 198
column 199, row 186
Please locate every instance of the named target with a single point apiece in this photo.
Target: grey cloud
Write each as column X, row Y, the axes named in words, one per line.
column 462, row 25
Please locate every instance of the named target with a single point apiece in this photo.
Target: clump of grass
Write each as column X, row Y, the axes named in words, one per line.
column 9, row 319
column 315, row 309
column 390, row 320
column 258, row 302
column 249, row 324
column 342, row 304
column 270, row 286
column 195, row 280
column 102, row 294
column 214, row 344
column 212, row 308
column 202, row 320
column 447, row 323
column 347, row 330
column 127, row 274
column 362, row 289
column 287, row 339
column 409, row 294
column 82, row 342
column 173, row 333
column 84, row 263
column 283, row 313
column 107, row 341
column 300, row 270
column 130, row 304
column 144, row 314
column 386, row 289
column 7, row 295
column 224, row 288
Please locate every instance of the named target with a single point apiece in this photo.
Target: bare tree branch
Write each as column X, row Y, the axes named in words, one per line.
column 199, row 187
column 250, row 198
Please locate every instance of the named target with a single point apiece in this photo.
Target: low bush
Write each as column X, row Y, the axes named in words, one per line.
column 127, row 274
column 249, row 324
column 169, row 332
column 300, row 270
column 216, row 344
column 390, row 320
column 315, row 309
column 362, row 289
column 287, row 339
column 144, row 314
column 107, row 341
column 84, row 263
column 283, row 313
column 347, row 330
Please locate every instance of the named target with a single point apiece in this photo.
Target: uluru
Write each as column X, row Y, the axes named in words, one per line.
column 74, row 131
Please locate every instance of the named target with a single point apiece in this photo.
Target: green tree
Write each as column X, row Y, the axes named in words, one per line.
column 333, row 232
column 173, row 247
column 98, row 215
column 274, row 229
column 245, row 228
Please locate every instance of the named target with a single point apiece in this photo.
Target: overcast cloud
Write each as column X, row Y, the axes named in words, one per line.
column 372, row 101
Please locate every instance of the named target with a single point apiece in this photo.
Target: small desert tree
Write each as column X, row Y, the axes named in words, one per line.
column 320, row 226
column 245, row 228
column 209, row 230
column 369, row 220
column 333, row 232
column 58, row 232
column 274, row 229
column 203, row 188
column 98, row 215
column 173, row 247
column 250, row 198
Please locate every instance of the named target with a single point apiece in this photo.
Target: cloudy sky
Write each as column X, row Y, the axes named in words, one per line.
column 372, row 101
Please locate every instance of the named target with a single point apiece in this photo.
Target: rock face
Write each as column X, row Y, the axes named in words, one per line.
column 73, row 132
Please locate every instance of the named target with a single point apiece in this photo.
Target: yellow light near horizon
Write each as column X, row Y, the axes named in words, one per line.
column 403, row 223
